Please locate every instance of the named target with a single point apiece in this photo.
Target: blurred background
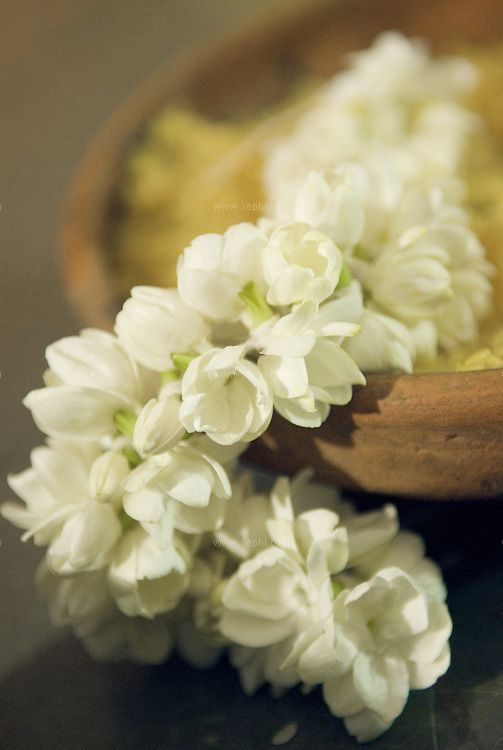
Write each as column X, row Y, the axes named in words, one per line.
column 65, row 66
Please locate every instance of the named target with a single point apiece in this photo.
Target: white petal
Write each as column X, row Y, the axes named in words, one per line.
column 302, row 412
column 154, row 323
column 286, row 376
column 73, row 412
column 85, row 540
column 107, row 475
column 424, row 674
column 95, row 359
column 366, row 725
column 145, row 504
column 383, row 684
column 158, row 427
column 340, row 695
column 248, row 630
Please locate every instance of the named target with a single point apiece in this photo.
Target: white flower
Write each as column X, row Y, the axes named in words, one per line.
column 330, row 202
column 214, row 269
column 394, row 103
column 406, row 551
column 303, row 361
column 354, row 606
column 225, row 396
column 226, row 455
column 437, row 202
column 436, row 272
column 441, row 133
column 300, row 263
column 267, row 600
column 158, row 427
column 472, row 289
column 273, row 595
column 181, row 489
column 394, row 66
column 84, row 602
column 62, row 512
column 146, row 580
column 401, row 641
column 382, row 344
column 244, row 530
column 283, row 595
column 155, row 323
column 91, row 379
column 106, row 477
column 411, row 280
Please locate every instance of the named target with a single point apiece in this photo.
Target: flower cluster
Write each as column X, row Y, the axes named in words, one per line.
column 296, row 584
column 375, row 164
column 153, row 536
column 338, row 599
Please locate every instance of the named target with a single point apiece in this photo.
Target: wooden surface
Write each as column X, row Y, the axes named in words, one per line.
column 432, row 436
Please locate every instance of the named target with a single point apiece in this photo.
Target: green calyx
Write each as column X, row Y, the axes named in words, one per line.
column 345, row 278
column 133, row 457
column 337, row 587
column 360, row 252
column 125, row 421
column 169, row 375
column 256, row 305
column 126, row 521
column 181, row 360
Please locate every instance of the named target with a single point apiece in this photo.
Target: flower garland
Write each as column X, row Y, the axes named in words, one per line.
column 155, row 537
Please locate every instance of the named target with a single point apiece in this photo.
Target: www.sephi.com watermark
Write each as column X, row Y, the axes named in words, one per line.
column 253, row 207
column 260, row 542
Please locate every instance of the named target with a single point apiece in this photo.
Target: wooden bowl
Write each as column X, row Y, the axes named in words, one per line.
column 429, row 435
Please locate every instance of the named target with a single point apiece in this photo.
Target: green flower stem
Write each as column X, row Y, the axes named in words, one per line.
column 345, row 278
column 181, row 360
column 169, row 375
column 133, row 457
column 256, row 304
column 125, row 420
column 337, row 587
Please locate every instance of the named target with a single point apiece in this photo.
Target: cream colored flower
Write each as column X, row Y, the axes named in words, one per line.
column 61, row 510
column 471, row 274
column 411, row 281
column 181, row 489
column 274, row 595
column 155, row 323
column 91, row 379
column 394, row 99
column 401, row 642
column 215, row 268
column 302, row 359
column 158, row 427
column 330, row 201
column 383, row 344
column 225, row 396
column 300, row 263
column 146, row 580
